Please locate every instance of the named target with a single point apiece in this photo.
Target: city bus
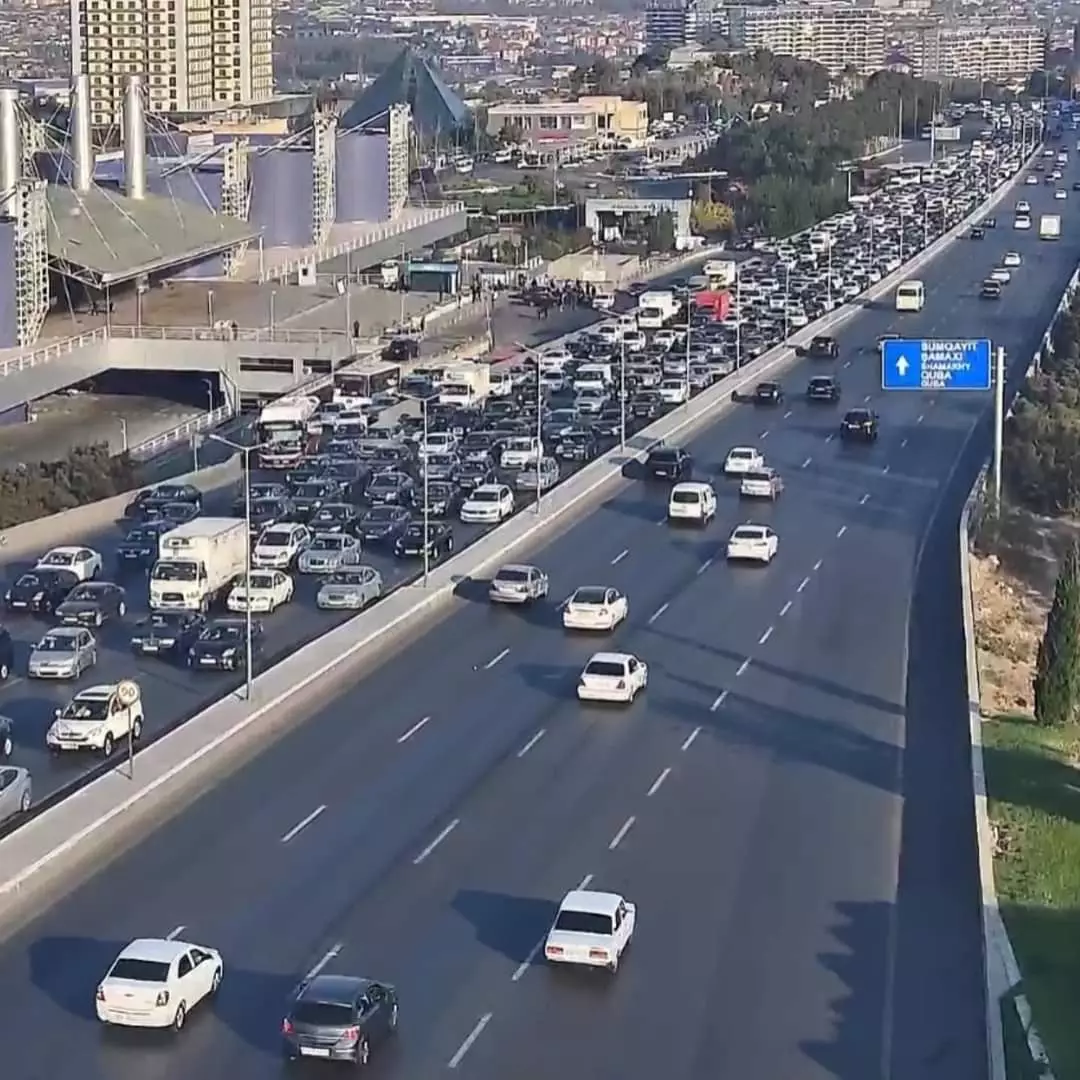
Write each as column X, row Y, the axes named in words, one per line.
column 910, row 296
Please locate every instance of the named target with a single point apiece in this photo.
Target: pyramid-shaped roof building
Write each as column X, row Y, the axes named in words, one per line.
column 410, row 80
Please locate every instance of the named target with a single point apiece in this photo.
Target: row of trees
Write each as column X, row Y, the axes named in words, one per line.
column 85, row 475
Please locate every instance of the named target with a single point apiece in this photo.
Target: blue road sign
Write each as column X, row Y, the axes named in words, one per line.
column 927, row 364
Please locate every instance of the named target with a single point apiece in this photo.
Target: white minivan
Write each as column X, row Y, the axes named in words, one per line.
column 691, row 502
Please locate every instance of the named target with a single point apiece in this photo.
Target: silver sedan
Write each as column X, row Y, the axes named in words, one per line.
column 328, row 552
column 350, row 589
column 16, row 795
column 63, row 653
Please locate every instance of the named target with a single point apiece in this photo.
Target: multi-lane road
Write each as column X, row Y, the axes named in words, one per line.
column 754, row 803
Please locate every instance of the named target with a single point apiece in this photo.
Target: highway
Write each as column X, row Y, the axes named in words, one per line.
column 753, row 803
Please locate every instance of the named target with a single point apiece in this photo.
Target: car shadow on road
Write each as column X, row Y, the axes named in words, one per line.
column 508, row 925
column 641, row 509
column 551, row 680
column 68, row 969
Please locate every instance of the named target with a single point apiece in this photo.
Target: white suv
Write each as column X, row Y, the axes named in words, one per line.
column 278, row 546
column 97, row 718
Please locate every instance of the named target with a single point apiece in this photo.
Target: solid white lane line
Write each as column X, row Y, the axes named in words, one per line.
column 619, row 558
column 785, row 609
column 721, row 698
column 437, row 841
column 743, row 666
column 330, row 954
column 620, row 836
column 840, row 532
column 704, row 566
column 531, row 743
column 802, row 584
column 865, row 499
column 300, row 826
column 495, row 659
column 657, row 783
column 657, row 613
column 765, row 637
column 807, row 462
column 817, row 565
column 466, row 1046
column 174, row 933
column 414, row 729
column 692, row 736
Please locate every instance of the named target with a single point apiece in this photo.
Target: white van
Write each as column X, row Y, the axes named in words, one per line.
column 910, row 296
column 692, row 502
column 592, row 376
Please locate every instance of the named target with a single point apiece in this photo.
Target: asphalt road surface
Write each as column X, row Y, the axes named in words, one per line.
column 753, row 803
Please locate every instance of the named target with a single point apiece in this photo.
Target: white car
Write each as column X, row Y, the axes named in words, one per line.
column 1061, row 194
column 1023, row 207
column 692, row 501
column 438, row 442
column 634, row 340
column 743, row 459
column 612, row 677
column 279, row 545
column 264, row 591
column 592, row 929
column 98, row 718
column 1001, row 274
column 1011, row 259
column 487, row 504
column 156, row 982
column 762, row 484
column 520, row 451
column 674, row 392
column 1022, row 223
column 595, row 607
column 83, row 562
column 603, row 301
column 753, row 543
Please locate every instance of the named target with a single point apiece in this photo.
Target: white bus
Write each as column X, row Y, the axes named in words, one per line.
column 910, row 296
column 287, row 419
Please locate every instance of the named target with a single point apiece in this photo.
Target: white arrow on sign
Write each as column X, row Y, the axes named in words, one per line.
column 902, row 366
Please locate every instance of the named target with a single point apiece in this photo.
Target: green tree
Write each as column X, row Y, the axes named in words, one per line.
column 1057, row 667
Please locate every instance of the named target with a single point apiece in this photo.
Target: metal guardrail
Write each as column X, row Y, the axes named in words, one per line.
column 279, row 335
column 187, row 430
column 53, row 350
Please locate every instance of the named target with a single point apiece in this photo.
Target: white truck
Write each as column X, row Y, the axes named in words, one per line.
column 465, row 385
column 721, row 273
column 656, row 308
column 197, row 563
column 1050, row 227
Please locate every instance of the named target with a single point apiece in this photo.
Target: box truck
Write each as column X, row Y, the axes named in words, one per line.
column 721, row 273
column 656, row 308
column 197, row 563
column 465, row 385
column 1050, row 227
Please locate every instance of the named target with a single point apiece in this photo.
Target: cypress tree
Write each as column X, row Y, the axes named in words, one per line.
column 1057, row 667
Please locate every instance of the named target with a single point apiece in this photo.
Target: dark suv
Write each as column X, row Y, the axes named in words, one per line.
column 823, row 388
column 820, row 348
column 859, row 425
column 669, row 463
column 339, row 1018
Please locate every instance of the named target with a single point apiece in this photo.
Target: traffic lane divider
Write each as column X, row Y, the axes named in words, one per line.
column 76, row 833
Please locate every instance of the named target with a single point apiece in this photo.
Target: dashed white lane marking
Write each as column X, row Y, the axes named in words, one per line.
column 466, row 1046
column 840, row 532
column 712, row 708
column 764, row 434
column 886, row 469
column 330, row 954
column 662, row 521
column 689, row 740
column 765, row 637
column 658, row 783
column 903, row 443
column 743, row 666
column 619, row 558
column 802, row 584
column 790, row 412
column 817, row 565
column 531, row 743
column 620, row 836
column 585, row 882
column 866, row 399
column 919, row 421
column 847, row 363
column 566, row 601
column 657, row 613
column 523, row 967
column 418, row 726
column 495, row 659
column 807, row 462
column 865, row 499
column 704, row 566
column 437, row 841
column 785, row 609
column 300, row 826
column 174, row 933
column 830, row 436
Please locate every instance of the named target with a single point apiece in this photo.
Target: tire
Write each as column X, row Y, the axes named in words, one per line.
column 179, row 1017
column 394, row 1017
column 24, row 802
column 107, row 745
column 121, row 609
column 613, row 967
column 363, row 1052
column 136, row 730
column 215, row 983
column 6, row 747
column 99, row 618
column 5, row 671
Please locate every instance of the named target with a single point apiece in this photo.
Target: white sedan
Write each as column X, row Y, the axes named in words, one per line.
column 155, row 982
column 752, row 543
column 263, row 591
column 1061, row 194
column 595, row 607
column 592, row 929
column 743, row 459
column 612, row 677
column 1011, row 259
column 83, row 562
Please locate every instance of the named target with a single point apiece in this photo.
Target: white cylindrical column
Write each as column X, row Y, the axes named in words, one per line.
column 10, row 152
column 134, row 140
column 82, row 154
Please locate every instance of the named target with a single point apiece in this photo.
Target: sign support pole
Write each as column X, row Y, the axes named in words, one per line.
column 999, row 422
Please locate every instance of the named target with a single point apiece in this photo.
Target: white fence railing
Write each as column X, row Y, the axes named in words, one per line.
column 54, row 349
column 186, row 431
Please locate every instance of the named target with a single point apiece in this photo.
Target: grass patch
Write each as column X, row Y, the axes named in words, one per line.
column 1034, row 795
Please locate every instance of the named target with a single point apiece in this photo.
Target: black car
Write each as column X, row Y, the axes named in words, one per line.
column 335, row 517
column 768, row 393
column 92, row 603
column 390, row 489
column 977, row 233
column 382, row 524
column 167, row 633
column 989, row 223
column 148, row 503
column 436, row 536
column 990, row 290
column 259, row 490
column 401, row 349
column 222, row 645
column 646, row 405
column 576, row 446
column 1076, row 185
column 669, row 463
column 443, row 500
column 172, row 514
column 859, row 425
column 139, row 549
column 40, row 590
column 474, row 474
column 268, row 511
column 7, row 658
column 823, row 388
column 339, row 1017
column 820, row 348
column 309, row 497
column 7, row 739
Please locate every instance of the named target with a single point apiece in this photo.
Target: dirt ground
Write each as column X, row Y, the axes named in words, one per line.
column 1012, row 578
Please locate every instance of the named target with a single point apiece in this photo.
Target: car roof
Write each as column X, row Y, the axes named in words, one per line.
column 594, row 903
column 523, row 567
column 610, row 657
column 162, row 950
column 67, row 549
column 333, row 989
column 101, row 692
column 62, row 631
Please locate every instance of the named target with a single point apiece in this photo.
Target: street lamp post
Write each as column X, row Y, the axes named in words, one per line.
column 738, row 319
column 123, row 434
column 622, row 394
column 427, row 501
column 829, row 273
column 539, row 421
column 686, row 364
column 787, row 300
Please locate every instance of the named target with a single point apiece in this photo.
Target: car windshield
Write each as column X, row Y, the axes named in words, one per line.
column 441, row 460
column 748, row 534
column 386, row 480
column 664, row 457
column 58, row 558
column 221, row 633
column 591, row 594
column 29, row 581
column 170, row 571
column 760, row 477
column 56, row 643
column 610, row 668
column 135, row 970
column 322, row 1014
column 332, row 513
column 275, row 539
column 685, row 497
column 328, row 543
column 345, row 577
column 260, row 581
column 311, row 490
column 512, row 576
column 265, row 506
column 93, row 709
column 485, row 496
column 583, row 922
column 381, row 514
column 164, row 622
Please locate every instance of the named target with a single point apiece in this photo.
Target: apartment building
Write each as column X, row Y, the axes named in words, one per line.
column 973, row 50
column 670, row 24
column 599, row 119
column 192, row 54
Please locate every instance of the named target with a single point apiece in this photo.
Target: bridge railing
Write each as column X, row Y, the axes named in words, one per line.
column 42, row 354
column 279, row 335
column 189, row 429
